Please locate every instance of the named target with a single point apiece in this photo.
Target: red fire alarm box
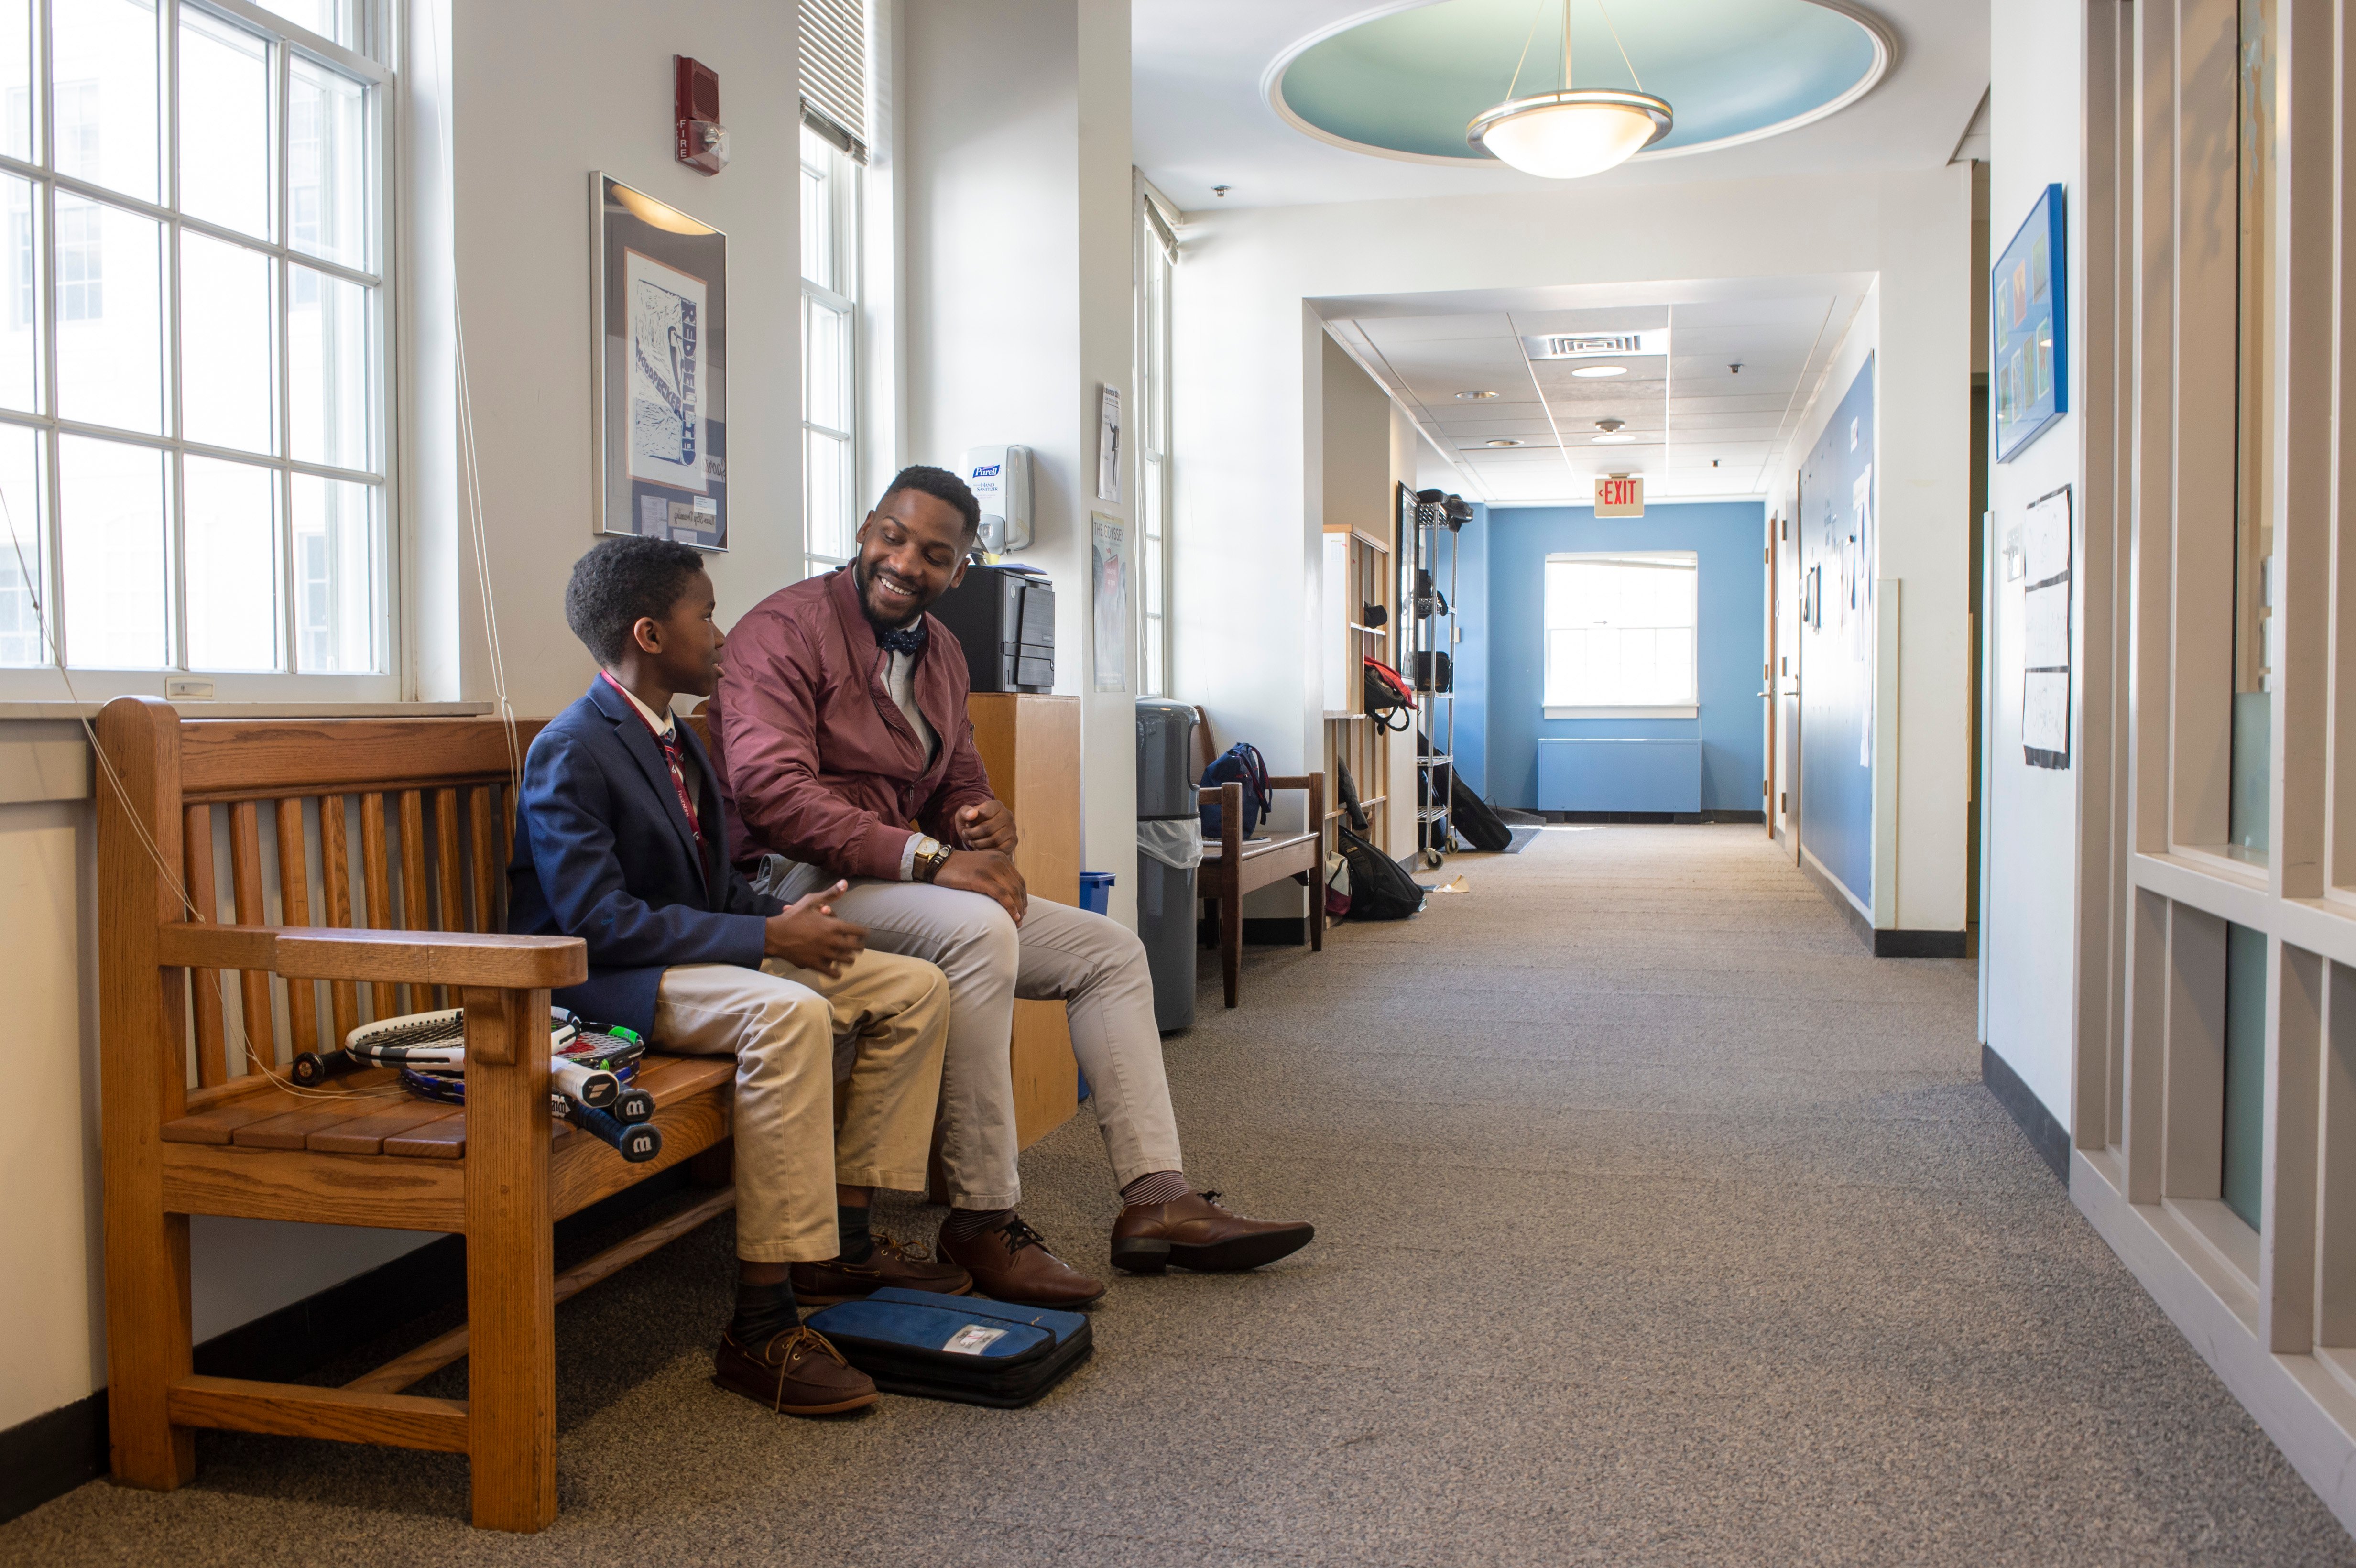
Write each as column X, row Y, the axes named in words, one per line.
column 702, row 140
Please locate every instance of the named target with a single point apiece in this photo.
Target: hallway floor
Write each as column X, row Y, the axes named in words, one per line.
column 1658, row 1225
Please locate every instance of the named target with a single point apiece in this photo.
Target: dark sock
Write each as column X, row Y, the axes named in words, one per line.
column 1156, row 1187
column 763, row 1312
column 965, row 1223
column 858, row 1247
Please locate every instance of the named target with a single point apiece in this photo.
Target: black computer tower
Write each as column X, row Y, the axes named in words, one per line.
column 1004, row 617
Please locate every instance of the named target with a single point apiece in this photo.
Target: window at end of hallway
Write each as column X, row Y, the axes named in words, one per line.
column 1620, row 639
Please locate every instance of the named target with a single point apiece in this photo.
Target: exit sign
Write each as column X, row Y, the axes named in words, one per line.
column 1620, row 496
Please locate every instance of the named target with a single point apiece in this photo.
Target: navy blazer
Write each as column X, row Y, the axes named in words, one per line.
column 603, row 852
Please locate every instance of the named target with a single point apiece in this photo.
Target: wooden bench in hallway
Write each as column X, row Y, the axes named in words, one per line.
column 366, row 869
column 1235, row 865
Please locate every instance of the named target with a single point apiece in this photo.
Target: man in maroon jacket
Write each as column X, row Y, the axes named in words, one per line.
column 841, row 720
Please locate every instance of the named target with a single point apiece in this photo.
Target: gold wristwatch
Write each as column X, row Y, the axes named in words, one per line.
column 931, row 856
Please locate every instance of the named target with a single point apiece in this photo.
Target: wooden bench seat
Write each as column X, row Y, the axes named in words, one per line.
column 363, row 865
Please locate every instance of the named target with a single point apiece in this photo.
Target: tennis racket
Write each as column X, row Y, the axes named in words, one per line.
column 636, row 1142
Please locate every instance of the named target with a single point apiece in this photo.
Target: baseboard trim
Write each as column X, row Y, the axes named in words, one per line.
column 52, row 1454
column 1920, row 944
column 1838, row 897
column 2295, row 1401
column 2046, row 1135
column 1259, row 932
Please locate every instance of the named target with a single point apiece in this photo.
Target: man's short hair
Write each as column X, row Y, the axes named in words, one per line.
column 942, row 485
column 620, row 581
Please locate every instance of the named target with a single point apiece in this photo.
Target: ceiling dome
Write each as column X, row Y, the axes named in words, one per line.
column 1405, row 81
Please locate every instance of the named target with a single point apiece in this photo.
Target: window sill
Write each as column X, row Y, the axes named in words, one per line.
column 1661, row 710
column 210, row 710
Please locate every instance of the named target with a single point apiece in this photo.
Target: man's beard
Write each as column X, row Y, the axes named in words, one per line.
column 862, row 579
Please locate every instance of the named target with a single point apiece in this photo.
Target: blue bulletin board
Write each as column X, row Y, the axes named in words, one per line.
column 2029, row 310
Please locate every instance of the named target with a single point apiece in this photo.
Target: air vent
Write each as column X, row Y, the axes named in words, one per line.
column 1595, row 345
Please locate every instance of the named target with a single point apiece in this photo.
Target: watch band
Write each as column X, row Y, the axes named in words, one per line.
column 931, row 856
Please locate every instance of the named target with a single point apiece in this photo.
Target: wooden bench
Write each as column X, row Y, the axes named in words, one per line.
column 1236, row 865
column 366, row 870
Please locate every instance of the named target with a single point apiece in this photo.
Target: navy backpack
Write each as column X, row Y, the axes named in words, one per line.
column 1240, row 763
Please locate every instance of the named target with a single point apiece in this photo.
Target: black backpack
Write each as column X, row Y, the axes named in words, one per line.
column 1240, row 763
column 1379, row 890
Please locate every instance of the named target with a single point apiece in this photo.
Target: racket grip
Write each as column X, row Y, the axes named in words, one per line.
column 313, row 1068
column 632, row 1106
column 637, row 1143
column 590, row 1086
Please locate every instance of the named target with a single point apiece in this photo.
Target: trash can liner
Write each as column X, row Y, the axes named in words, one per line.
column 1176, row 842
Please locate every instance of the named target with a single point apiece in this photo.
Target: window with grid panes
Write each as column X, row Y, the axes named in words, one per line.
column 1156, row 261
column 832, row 505
column 193, row 374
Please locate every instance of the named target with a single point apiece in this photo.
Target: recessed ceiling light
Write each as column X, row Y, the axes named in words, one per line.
column 1614, row 439
column 1502, row 441
column 1475, row 397
column 1600, row 370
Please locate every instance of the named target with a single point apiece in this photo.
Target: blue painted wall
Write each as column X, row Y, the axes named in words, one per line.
column 1473, row 653
column 1729, row 537
column 1836, row 517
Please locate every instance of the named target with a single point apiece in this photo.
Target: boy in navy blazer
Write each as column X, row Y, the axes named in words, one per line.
column 618, row 842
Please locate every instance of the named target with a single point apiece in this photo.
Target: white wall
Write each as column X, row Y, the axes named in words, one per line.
column 1247, row 364
column 1013, row 145
column 546, row 92
column 2029, row 921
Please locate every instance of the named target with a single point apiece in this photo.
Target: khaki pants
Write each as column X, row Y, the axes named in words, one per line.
column 1094, row 965
column 782, row 1025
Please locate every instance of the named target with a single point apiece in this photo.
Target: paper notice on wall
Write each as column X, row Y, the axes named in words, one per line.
column 1108, row 448
column 1108, row 591
column 2046, row 545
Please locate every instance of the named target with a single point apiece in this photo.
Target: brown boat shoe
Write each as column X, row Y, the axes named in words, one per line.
column 798, row 1373
column 894, row 1264
column 1010, row 1262
column 1196, row 1234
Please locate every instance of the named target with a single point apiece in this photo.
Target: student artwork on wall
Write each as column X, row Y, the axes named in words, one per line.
column 2046, row 552
column 2029, row 312
column 660, row 286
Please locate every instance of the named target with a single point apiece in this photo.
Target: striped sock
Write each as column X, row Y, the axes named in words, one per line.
column 966, row 1224
column 1158, row 1187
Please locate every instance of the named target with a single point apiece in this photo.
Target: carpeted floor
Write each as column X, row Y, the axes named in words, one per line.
column 1659, row 1225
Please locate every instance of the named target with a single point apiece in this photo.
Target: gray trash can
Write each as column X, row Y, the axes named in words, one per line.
column 1169, row 847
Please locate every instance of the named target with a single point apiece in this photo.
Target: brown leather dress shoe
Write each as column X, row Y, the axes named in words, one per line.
column 1010, row 1262
column 893, row 1264
column 1196, row 1234
column 797, row 1371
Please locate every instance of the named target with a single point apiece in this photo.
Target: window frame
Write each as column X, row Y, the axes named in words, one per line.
column 1688, row 561
column 843, row 181
column 366, row 61
column 1154, row 337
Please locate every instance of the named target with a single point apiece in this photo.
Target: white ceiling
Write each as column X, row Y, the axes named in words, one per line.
column 1703, row 431
column 1201, row 117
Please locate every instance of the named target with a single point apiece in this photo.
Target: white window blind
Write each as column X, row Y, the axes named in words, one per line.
column 1621, row 634
column 834, row 65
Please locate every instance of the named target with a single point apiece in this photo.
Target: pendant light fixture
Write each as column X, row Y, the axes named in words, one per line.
column 1575, row 131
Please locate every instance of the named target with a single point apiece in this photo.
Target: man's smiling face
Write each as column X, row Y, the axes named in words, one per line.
column 912, row 550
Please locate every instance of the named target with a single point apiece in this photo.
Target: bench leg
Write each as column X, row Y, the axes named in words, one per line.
column 148, row 1342
column 1231, row 940
column 510, row 1264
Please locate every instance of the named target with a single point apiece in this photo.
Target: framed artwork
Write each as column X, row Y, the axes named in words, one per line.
column 659, row 285
column 2029, row 321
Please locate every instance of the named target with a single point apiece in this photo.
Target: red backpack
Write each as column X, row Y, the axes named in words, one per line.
column 1387, row 693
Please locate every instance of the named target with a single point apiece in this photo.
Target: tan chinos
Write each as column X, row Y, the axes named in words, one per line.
column 883, row 1024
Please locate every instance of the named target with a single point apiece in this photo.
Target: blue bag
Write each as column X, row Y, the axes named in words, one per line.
column 963, row 1347
column 1240, row 763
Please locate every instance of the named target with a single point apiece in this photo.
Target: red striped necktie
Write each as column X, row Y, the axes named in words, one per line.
column 669, row 745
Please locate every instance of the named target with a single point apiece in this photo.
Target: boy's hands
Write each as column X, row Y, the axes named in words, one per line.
column 808, row 936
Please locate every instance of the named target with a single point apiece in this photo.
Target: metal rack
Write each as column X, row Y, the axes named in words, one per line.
column 1427, row 625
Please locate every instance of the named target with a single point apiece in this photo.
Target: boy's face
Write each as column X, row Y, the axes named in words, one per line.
column 684, row 645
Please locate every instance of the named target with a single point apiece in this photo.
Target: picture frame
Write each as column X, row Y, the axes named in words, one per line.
column 2028, row 325
column 658, row 291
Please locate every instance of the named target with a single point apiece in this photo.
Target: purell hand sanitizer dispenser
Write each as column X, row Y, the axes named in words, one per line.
column 1000, row 478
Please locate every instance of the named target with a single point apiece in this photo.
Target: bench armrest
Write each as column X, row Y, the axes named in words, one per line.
column 486, row 959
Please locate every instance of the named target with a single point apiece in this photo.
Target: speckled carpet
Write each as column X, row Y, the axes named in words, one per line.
column 1658, row 1225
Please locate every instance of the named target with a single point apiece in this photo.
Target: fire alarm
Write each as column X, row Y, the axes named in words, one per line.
column 702, row 140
